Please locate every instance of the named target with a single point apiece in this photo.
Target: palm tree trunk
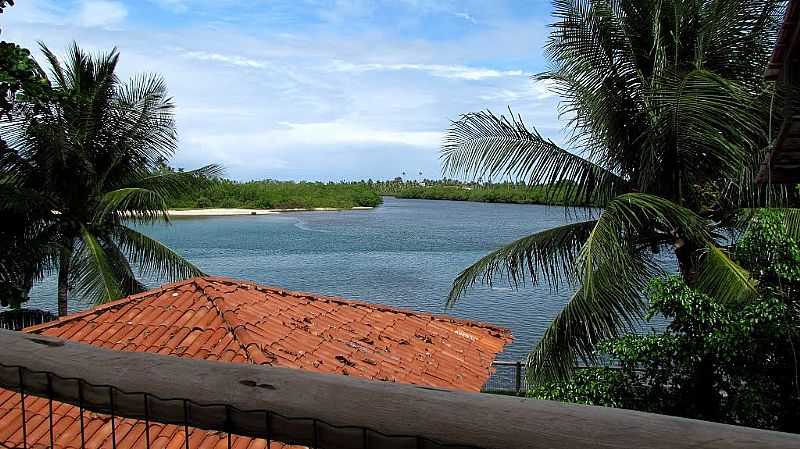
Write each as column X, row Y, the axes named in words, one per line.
column 63, row 281
column 685, row 253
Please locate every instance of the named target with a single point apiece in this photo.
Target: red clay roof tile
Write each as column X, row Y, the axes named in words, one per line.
column 240, row 322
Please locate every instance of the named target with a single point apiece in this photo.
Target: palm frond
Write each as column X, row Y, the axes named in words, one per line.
column 713, row 124
column 173, row 184
column 737, row 38
column 548, row 255
column 56, row 69
column 612, row 269
column 608, row 303
column 144, row 119
column 485, row 145
column 93, row 275
column 132, row 203
column 791, row 221
column 588, row 319
column 119, row 263
column 599, row 73
column 721, row 278
column 645, row 214
column 153, row 257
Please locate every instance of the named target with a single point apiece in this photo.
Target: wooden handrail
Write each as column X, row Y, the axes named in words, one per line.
column 242, row 393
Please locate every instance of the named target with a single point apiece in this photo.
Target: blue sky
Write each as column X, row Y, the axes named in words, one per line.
column 315, row 89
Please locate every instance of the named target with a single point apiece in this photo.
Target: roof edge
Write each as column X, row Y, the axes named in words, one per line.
column 110, row 305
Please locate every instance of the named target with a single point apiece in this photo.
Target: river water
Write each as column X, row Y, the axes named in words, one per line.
column 404, row 253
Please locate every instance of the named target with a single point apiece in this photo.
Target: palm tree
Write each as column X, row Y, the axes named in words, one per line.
column 667, row 118
column 85, row 159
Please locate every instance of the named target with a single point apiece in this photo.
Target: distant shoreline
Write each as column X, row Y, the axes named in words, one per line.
column 222, row 212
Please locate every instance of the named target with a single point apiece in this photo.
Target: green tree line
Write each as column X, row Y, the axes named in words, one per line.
column 505, row 192
column 269, row 194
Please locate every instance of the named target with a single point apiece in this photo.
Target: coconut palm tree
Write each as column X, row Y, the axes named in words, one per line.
column 85, row 158
column 667, row 117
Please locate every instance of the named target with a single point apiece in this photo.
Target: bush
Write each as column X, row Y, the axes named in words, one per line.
column 601, row 386
column 519, row 193
column 279, row 195
column 203, row 202
column 728, row 362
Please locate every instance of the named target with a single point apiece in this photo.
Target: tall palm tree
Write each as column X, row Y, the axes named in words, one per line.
column 667, row 118
column 86, row 159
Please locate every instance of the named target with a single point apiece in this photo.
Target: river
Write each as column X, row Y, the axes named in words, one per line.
column 404, row 253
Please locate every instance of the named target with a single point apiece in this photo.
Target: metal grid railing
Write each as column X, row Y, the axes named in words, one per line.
column 509, row 377
column 58, row 394
column 21, row 318
column 274, row 430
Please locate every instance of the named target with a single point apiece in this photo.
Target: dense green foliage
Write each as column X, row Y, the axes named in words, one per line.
column 19, row 233
column 18, row 73
column 278, row 195
column 728, row 361
column 668, row 122
column 518, row 193
column 81, row 162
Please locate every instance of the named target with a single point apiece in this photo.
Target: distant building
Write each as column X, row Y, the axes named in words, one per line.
column 782, row 165
column 224, row 320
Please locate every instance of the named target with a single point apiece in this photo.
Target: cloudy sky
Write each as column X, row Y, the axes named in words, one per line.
column 314, row 89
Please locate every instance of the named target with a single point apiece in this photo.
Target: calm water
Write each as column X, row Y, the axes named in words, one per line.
column 404, row 253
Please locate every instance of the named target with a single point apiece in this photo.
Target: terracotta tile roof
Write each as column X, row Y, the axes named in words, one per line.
column 241, row 322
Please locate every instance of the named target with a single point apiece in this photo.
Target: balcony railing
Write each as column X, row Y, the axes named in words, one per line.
column 508, row 378
column 323, row 410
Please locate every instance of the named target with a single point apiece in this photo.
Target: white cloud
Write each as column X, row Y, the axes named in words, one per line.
column 101, row 13
column 322, row 134
column 438, row 70
column 466, row 16
column 535, row 90
column 309, row 101
column 33, row 11
column 235, row 60
column 342, row 132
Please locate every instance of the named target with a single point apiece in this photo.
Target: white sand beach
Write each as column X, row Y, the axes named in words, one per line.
column 227, row 212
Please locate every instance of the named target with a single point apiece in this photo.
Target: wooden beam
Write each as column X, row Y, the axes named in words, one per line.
column 787, row 39
column 770, row 168
column 244, row 392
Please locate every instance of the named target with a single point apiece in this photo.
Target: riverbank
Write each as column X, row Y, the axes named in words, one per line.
column 495, row 193
column 268, row 195
column 223, row 212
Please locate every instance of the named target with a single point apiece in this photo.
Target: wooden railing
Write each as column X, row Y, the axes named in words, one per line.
column 334, row 411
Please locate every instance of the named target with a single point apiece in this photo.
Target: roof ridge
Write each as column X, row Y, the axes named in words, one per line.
column 230, row 328
column 138, row 297
column 351, row 302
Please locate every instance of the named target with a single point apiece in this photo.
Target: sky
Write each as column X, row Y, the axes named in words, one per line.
column 315, row 89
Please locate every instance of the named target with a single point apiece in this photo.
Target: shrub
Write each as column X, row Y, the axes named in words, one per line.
column 729, row 362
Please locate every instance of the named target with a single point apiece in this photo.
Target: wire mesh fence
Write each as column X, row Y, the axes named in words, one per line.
column 21, row 318
column 32, row 416
column 508, row 378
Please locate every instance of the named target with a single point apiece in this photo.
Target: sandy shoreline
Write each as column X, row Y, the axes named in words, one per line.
column 231, row 212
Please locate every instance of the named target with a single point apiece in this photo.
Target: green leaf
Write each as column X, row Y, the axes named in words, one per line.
column 94, row 276
column 720, row 277
column 132, row 203
column 547, row 255
column 152, row 256
column 484, row 145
